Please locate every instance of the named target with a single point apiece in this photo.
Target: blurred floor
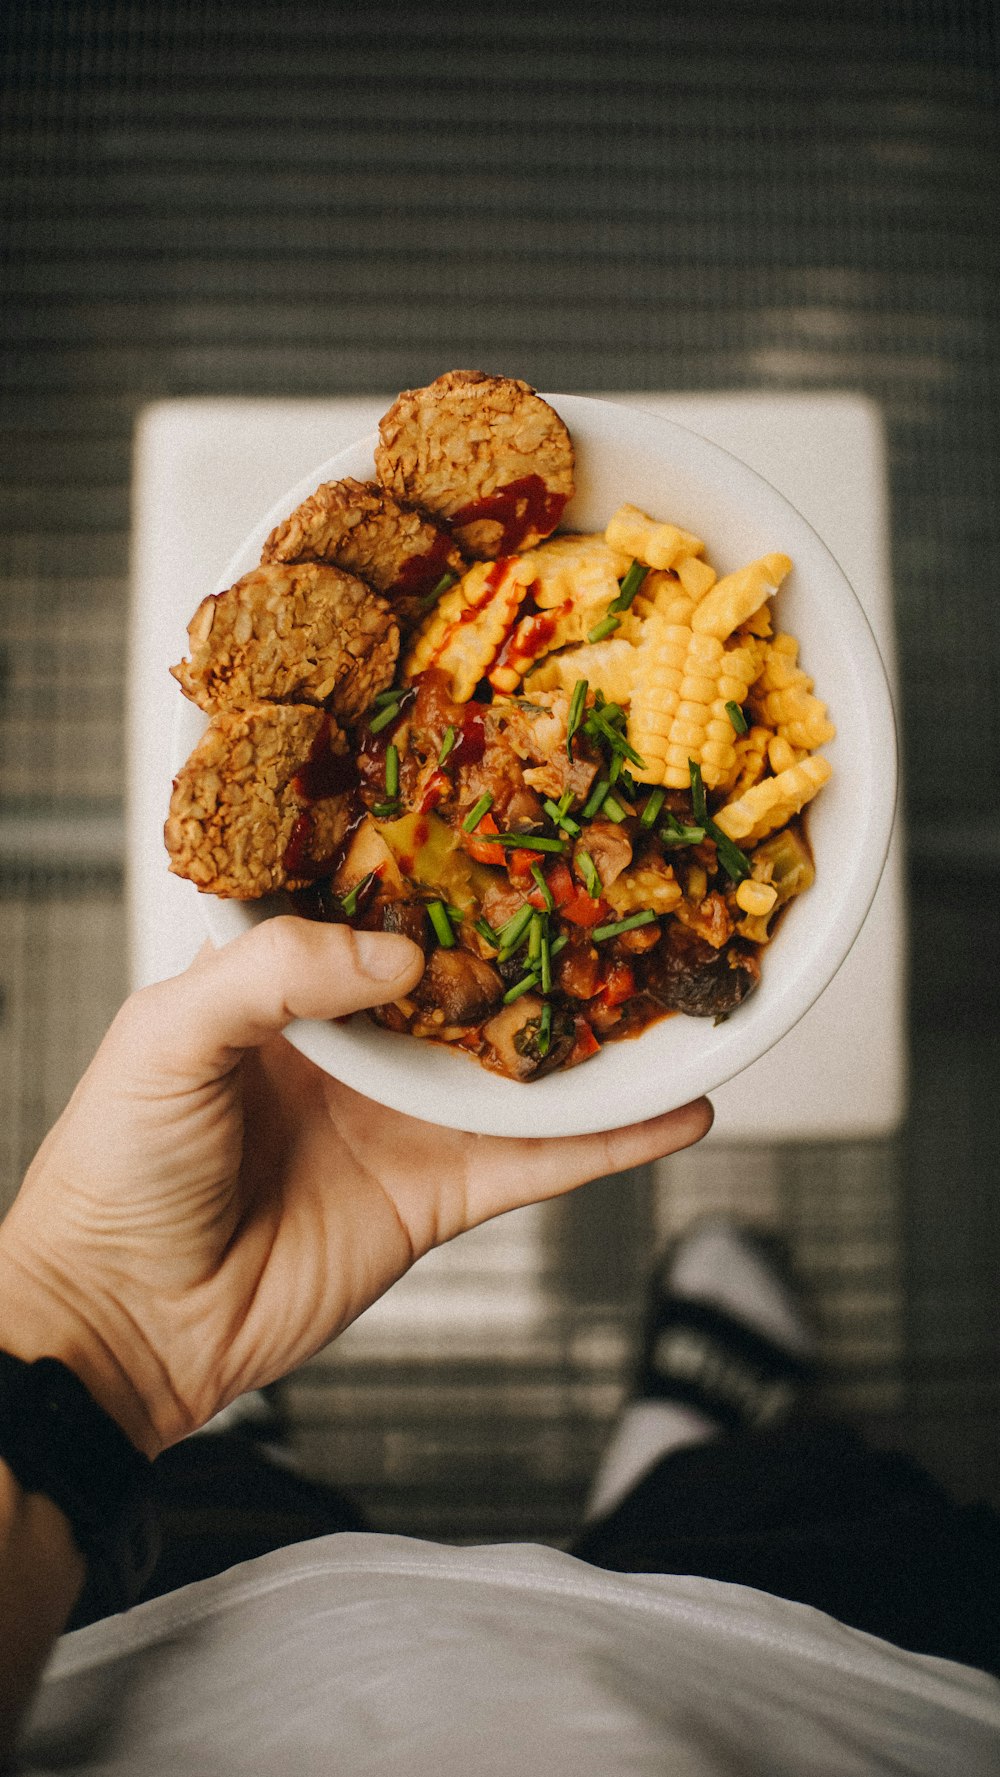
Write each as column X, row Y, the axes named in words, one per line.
column 200, row 198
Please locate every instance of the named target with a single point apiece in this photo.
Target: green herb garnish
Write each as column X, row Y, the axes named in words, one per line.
column 438, row 914
column 349, row 902
column 561, row 818
column 652, row 808
column 631, row 924
column 476, row 812
column 588, row 869
column 528, row 841
column 629, row 586
column 602, row 630
column 595, row 798
column 734, row 862
column 736, row 717
column 450, row 737
column 577, row 703
column 391, row 772
column 545, row 1029
column 518, row 923
column 674, row 833
column 543, row 888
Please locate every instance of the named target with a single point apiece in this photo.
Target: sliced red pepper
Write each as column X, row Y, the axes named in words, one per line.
column 479, row 848
column 519, row 864
column 583, row 910
column 618, row 985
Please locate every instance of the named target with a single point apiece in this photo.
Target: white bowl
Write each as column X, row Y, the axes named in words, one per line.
column 624, row 454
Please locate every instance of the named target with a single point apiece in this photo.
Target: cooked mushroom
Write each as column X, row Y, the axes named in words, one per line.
column 462, row 986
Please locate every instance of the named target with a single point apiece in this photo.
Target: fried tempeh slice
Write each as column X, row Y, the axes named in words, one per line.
column 262, row 803
column 484, row 453
column 359, row 526
column 291, row 633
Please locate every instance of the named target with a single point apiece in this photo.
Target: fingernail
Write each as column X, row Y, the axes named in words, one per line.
column 382, row 955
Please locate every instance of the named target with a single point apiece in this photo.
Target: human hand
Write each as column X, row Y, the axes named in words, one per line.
column 212, row 1208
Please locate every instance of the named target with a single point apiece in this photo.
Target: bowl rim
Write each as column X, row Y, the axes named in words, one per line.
column 368, row 1058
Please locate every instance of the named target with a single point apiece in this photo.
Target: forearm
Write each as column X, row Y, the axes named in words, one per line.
column 41, row 1575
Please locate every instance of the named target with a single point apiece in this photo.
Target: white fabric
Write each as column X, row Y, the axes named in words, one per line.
column 365, row 1655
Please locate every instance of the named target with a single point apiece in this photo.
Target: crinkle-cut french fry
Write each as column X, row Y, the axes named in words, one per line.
column 780, row 755
column 662, row 597
column 782, row 698
column 682, row 685
column 465, row 631
column 580, row 569
column 751, row 760
column 611, row 665
column 642, row 539
column 772, row 803
column 737, row 596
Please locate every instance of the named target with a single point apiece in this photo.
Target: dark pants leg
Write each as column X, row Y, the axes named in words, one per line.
column 220, row 1501
column 808, row 1511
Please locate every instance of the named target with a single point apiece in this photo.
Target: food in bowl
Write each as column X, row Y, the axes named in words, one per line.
column 571, row 766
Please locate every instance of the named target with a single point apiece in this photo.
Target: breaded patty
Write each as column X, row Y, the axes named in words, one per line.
column 359, row 526
column 485, row 453
column 262, row 803
column 291, row 633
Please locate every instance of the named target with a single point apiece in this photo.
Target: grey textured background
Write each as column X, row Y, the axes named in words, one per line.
column 315, row 199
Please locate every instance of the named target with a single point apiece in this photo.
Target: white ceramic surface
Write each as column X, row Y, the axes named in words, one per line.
column 627, row 454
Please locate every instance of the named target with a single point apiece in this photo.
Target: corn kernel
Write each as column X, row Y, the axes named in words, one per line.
column 757, row 898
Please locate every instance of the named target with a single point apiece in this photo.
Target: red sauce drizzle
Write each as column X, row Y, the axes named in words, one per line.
column 471, row 743
column 520, row 507
column 422, row 572
column 323, row 774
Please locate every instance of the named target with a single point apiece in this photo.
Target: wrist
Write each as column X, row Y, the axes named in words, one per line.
column 39, row 1318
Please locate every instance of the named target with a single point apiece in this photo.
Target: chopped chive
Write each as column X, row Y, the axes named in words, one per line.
column 438, row 915
column 595, row 798
column 576, row 707
column 599, row 723
column 629, row 586
column 543, row 888
column 678, row 835
column 528, row 841
column 614, row 810
column 387, row 811
column 430, row 598
column 486, row 931
column 600, row 631
column 736, row 717
column 392, row 696
column 349, row 902
column 476, row 812
column 631, row 924
column 545, row 1029
column 652, row 808
column 561, row 818
column 455, row 914
column 535, row 938
column 588, row 868
column 526, row 983
column 518, row 923
column 734, row 862
column 391, row 713
column 391, row 772
column 450, row 737
column 558, row 944
column 615, row 769
column 546, row 965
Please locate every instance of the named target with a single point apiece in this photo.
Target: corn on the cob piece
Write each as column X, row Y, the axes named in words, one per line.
column 735, row 598
column 782, row 698
column 772, row 803
column 683, row 682
column 465, row 631
column 642, row 539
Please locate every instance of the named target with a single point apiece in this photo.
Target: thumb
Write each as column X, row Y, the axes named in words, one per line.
column 236, row 997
